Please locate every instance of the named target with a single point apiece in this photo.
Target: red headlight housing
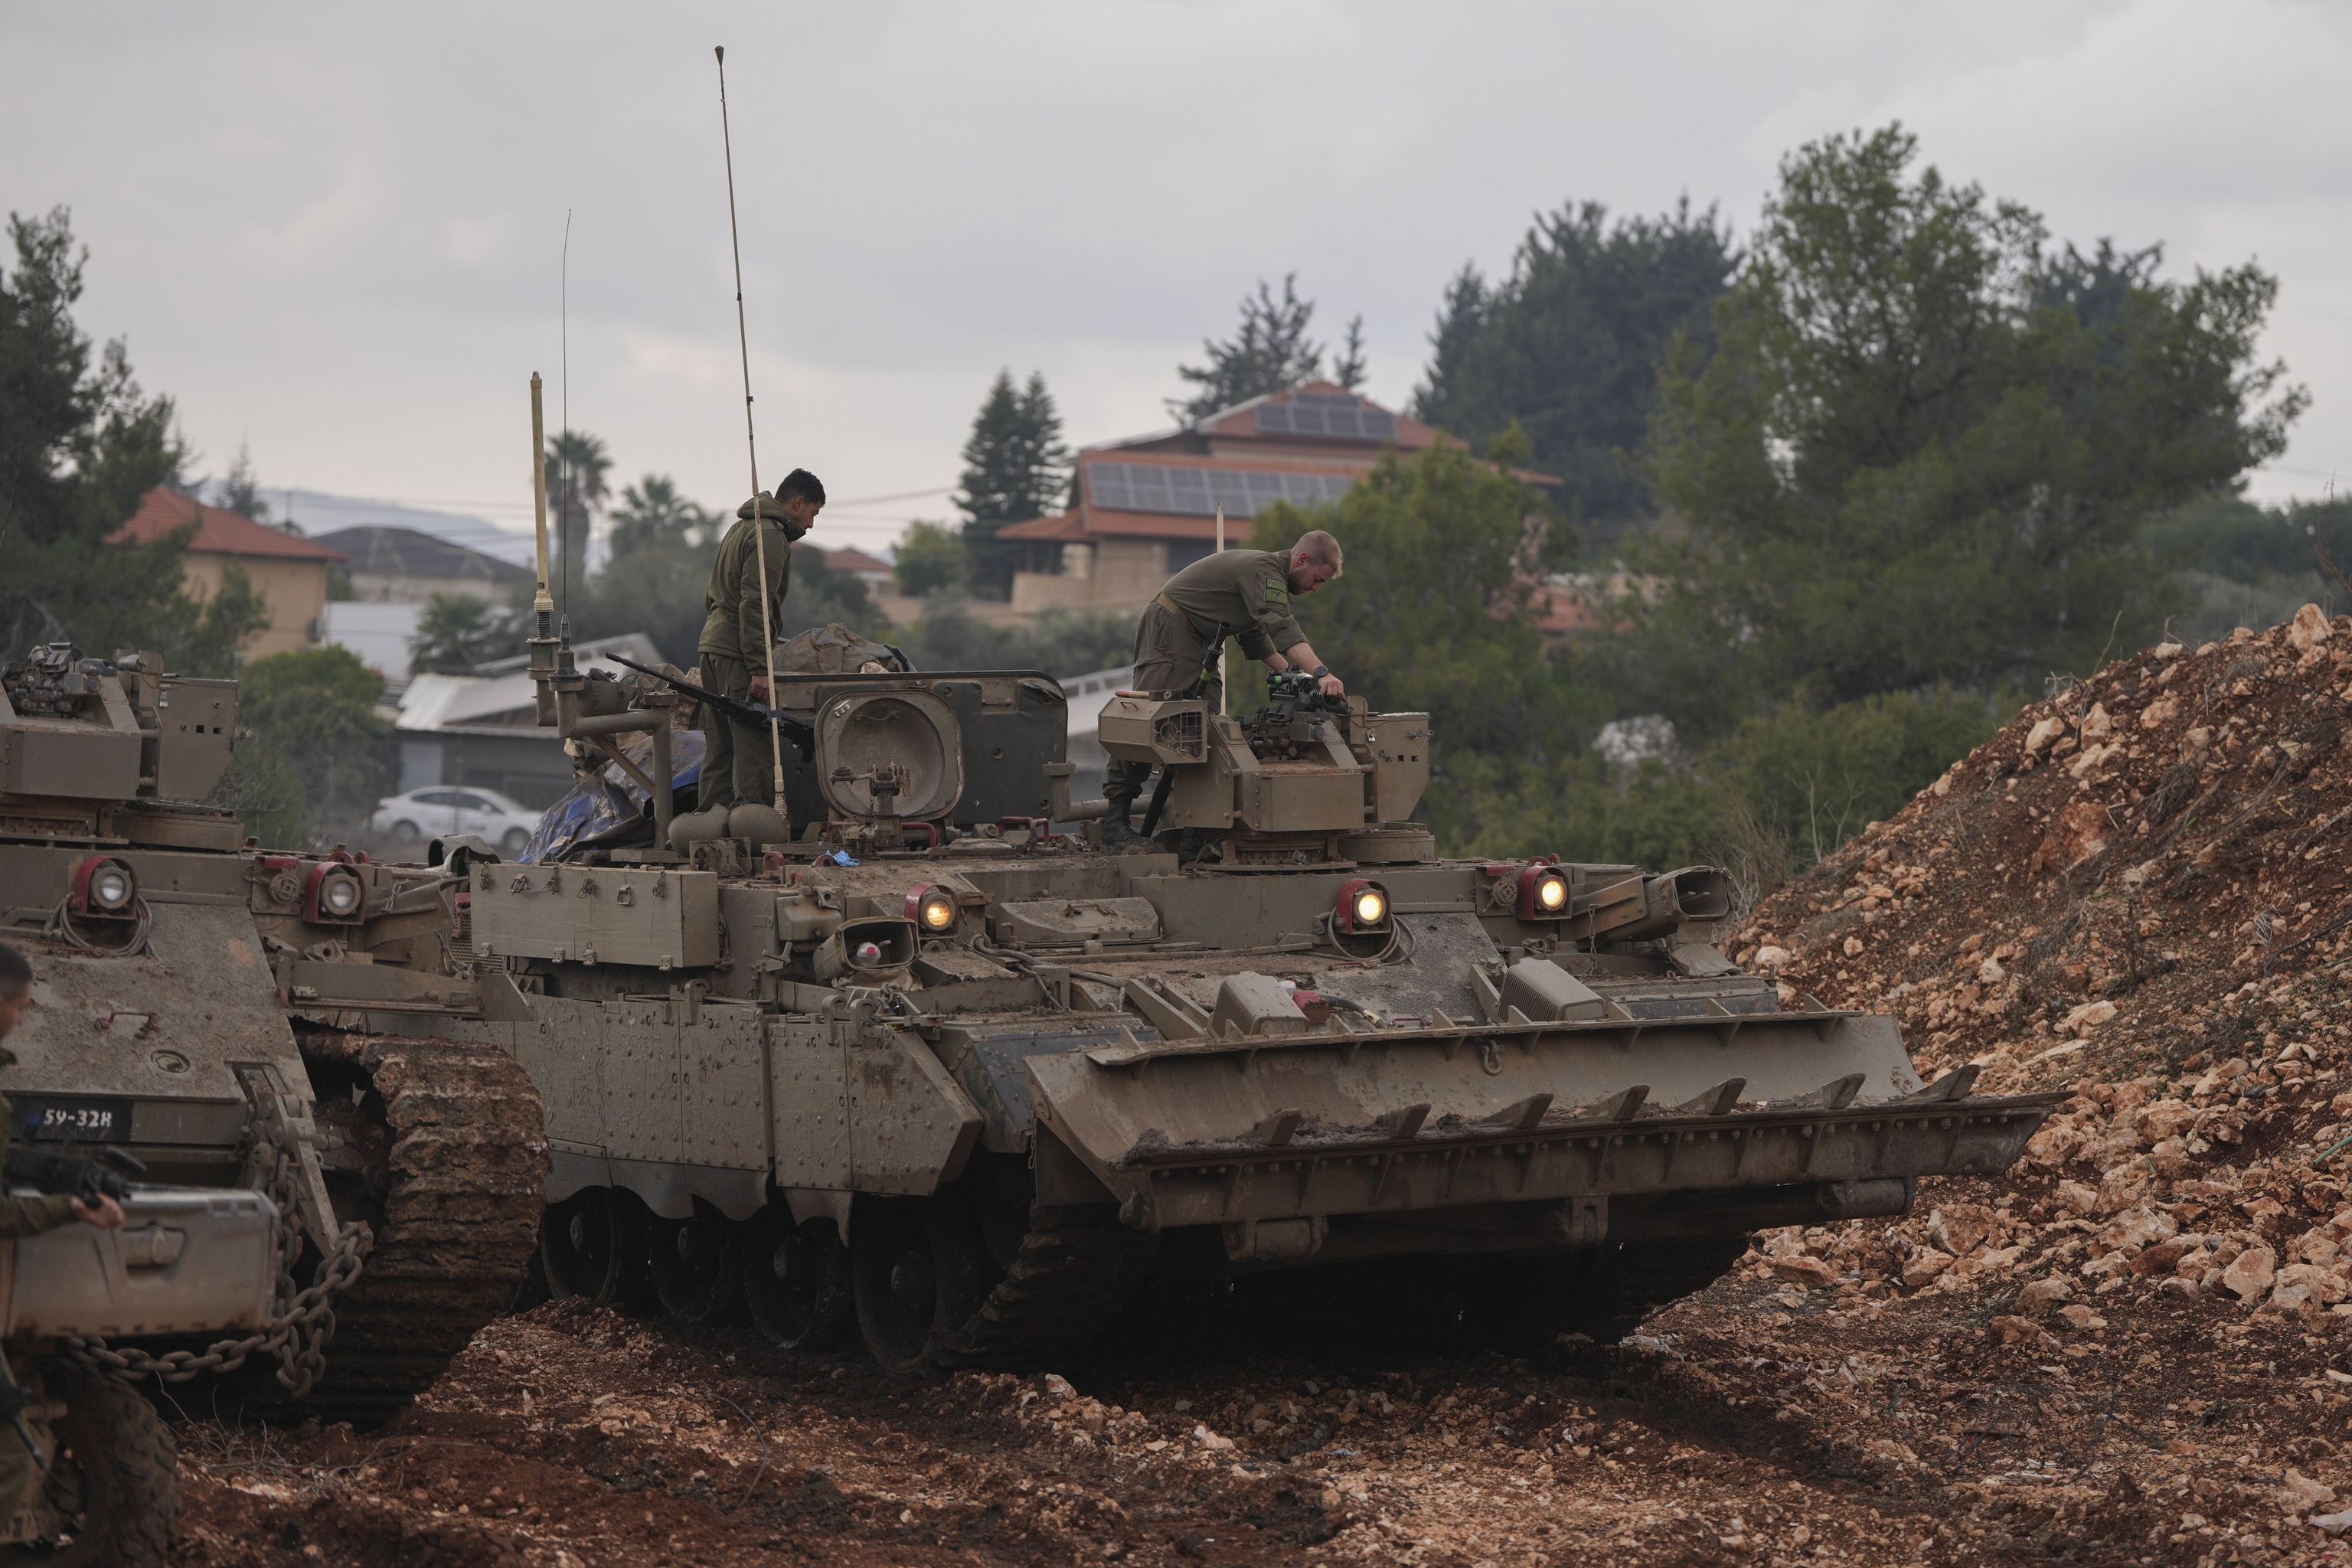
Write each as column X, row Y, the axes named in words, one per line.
column 333, row 895
column 1543, row 892
column 1363, row 906
column 105, row 887
column 933, row 908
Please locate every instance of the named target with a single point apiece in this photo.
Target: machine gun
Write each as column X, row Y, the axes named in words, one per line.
column 798, row 730
column 108, row 1175
column 1293, row 718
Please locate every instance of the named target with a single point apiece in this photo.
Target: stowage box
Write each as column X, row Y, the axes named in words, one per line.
column 602, row 914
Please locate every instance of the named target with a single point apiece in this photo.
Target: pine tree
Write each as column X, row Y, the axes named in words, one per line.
column 239, row 491
column 1568, row 345
column 1269, row 353
column 1015, row 467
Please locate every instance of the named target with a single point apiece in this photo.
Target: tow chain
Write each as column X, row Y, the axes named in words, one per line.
column 301, row 1320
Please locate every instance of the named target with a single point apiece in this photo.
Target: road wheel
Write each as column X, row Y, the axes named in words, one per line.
column 796, row 1281
column 406, row 833
column 115, row 1485
column 697, row 1265
column 594, row 1244
column 515, row 842
column 915, row 1270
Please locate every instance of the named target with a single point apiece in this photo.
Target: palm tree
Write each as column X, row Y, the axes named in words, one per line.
column 576, row 467
column 652, row 514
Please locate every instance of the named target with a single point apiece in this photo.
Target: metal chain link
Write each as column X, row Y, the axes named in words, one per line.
column 301, row 1320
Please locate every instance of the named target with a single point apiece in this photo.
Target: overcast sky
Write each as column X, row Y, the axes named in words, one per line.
column 335, row 232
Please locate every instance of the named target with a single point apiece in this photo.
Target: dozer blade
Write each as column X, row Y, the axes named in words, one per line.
column 1281, row 1126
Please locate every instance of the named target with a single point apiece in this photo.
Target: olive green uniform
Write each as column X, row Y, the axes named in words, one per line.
column 1243, row 593
column 738, row 763
column 22, row 1216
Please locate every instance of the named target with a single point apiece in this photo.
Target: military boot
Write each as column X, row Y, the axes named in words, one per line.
column 1119, row 834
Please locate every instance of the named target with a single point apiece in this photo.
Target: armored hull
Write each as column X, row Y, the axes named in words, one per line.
column 195, row 1005
column 970, row 1087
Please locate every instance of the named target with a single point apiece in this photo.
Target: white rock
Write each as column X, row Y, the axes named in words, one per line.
column 2043, row 734
column 2308, row 629
column 2250, row 1274
column 2300, row 1492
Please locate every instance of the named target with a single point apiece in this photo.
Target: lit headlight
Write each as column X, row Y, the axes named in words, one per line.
column 1363, row 906
column 104, row 886
column 1543, row 893
column 339, row 895
column 932, row 909
column 110, row 888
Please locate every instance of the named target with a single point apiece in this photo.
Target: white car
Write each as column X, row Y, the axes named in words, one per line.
column 449, row 810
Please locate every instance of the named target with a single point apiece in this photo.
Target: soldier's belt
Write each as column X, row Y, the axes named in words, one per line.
column 1209, row 635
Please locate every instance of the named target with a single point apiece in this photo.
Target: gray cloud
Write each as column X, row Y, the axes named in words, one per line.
column 336, row 233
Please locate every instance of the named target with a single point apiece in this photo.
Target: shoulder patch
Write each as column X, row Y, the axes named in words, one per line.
column 1277, row 592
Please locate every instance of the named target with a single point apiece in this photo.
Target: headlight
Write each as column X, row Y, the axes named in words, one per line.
column 932, row 909
column 110, row 888
column 1543, row 893
column 1363, row 906
column 104, row 886
column 338, row 896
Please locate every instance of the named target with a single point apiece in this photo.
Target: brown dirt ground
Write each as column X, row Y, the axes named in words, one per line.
column 2133, row 1349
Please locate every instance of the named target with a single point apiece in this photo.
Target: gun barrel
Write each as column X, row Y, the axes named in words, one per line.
column 749, row 713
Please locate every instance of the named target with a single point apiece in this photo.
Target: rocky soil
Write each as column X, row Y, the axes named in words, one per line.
column 2137, row 1349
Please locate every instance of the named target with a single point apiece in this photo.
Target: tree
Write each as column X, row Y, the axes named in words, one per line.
column 1434, row 614
column 239, row 491
column 1015, row 466
column 79, row 445
column 1922, row 450
column 576, row 467
column 1568, row 346
column 928, row 560
column 652, row 512
column 1271, row 351
column 1348, row 367
column 458, row 631
column 310, row 715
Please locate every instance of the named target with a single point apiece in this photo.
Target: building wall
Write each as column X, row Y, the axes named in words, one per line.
column 1122, row 575
column 383, row 588
column 296, row 590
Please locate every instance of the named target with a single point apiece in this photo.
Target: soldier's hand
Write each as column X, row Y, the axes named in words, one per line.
column 106, row 1213
column 1332, row 686
column 759, row 688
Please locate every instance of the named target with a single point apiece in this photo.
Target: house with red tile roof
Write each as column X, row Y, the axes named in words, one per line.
column 871, row 569
column 1146, row 508
column 288, row 570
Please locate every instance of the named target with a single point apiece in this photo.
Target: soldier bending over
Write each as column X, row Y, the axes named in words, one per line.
column 1234, row 593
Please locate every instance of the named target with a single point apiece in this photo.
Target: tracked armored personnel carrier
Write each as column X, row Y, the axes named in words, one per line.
column 239, row 1017
column 939, row 1068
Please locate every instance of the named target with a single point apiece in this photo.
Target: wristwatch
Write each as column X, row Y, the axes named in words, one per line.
column 1321, row 670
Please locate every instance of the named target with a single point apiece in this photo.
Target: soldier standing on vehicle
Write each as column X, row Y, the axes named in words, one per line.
column 1233, row 593
column 29, row 1215
column 738, row 766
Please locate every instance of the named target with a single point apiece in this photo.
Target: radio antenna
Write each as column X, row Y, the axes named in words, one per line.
column 563, row 517
column 751, row 446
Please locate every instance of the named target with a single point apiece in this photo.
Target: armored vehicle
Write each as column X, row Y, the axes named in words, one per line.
column 198, row 1004
column 939, row 1068
column 104, row 1487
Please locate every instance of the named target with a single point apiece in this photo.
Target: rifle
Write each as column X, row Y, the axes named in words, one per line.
column 58, row 1171
column 804, row 735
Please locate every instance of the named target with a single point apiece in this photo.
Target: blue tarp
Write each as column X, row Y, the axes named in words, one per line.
column 604, row 801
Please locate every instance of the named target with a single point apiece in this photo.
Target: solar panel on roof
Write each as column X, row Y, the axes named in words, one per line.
column 1198, row 492
column 1336, row 414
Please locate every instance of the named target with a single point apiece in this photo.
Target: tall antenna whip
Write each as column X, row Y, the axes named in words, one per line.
column 751, row 445
column 564, row 299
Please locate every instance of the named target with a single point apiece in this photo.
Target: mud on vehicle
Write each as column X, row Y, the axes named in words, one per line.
column 938, row 1070
column 198, row 1004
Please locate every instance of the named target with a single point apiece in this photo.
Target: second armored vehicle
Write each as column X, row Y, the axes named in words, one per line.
column 939, row 1068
